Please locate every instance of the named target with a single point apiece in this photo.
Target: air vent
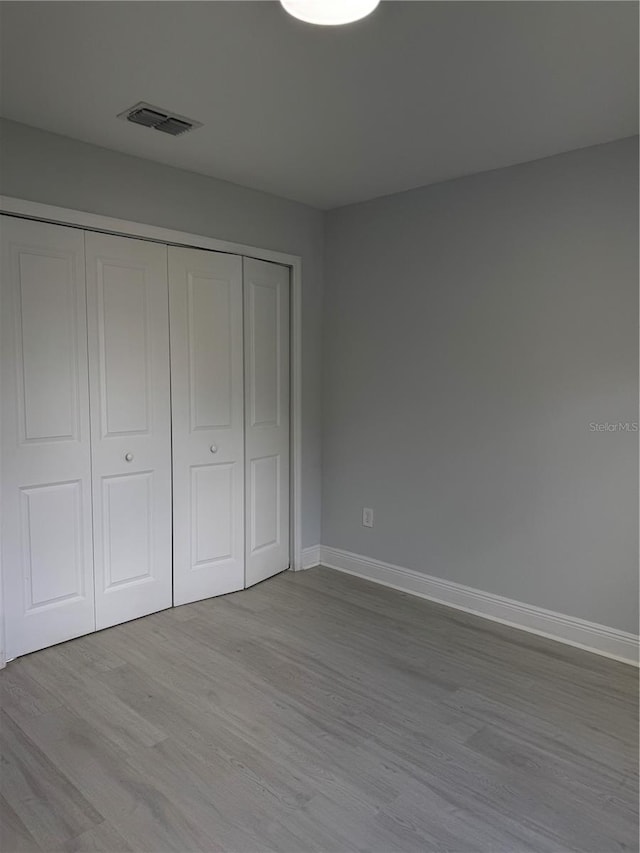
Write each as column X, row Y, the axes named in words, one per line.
column 158, row 119
column 174, row 126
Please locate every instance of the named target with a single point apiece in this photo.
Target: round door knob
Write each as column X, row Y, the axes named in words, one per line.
column 128, row 457
column 213, row 448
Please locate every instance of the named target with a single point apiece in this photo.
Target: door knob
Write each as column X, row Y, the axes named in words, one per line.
column 128, row 457
column 213, row 448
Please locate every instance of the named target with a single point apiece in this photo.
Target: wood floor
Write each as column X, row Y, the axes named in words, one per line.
column 318, row 712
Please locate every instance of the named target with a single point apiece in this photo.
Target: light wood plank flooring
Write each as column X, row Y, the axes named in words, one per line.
column 318, row 712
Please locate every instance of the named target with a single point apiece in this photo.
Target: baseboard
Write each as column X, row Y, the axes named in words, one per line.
column 600, row 639
column 310, row 557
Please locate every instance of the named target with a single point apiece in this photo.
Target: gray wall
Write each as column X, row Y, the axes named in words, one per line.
column 56, row 170
column 472, row 332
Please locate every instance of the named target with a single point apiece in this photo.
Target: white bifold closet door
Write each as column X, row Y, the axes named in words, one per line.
column 208, row 423
column 47, row 554
column 266, row 333
column 128, row 331
column 123, row 362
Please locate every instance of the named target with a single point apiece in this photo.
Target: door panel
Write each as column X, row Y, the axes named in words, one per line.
column 47, row 553
column 266, row 321
column 47, row 349
column 210, row 352
column 128, row 327
column 125, row 351
column 212, row 518
column 265, row 486
column 207, row 413
column 51, row 517
column 127, row 523
column 263, row 324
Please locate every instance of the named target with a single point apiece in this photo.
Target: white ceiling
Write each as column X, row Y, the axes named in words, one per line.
column 417, row 93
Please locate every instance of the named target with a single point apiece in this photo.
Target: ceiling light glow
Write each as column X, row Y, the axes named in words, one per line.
column 329, row 12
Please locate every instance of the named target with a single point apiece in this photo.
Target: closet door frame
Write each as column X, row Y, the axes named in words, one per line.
column 94, row 222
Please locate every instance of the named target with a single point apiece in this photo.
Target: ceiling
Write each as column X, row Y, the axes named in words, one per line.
column 418, row 92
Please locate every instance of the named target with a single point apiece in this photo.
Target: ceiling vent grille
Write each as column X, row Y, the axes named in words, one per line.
column 159, row 119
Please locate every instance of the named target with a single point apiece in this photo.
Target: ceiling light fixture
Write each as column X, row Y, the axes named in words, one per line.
column 329, row 12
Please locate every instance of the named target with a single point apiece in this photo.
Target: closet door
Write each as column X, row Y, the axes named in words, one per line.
column 207, row 413
column 47, row 550
column 128, row 328
column 266, row 324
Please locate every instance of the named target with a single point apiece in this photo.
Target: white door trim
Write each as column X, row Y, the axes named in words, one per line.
column 95, row 222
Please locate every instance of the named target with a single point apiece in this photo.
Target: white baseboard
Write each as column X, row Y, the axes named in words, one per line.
column 600, row 639
column 310, row 557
